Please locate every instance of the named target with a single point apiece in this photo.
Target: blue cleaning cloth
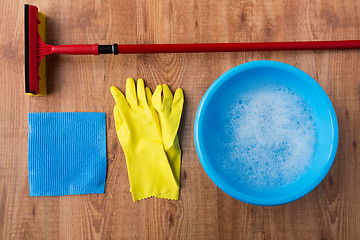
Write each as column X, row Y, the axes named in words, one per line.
column 67, row 153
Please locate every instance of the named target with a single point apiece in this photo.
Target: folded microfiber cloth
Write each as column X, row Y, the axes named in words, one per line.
column 67, row 153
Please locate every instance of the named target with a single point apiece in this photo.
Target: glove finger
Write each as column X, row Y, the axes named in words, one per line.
column 178, row 102
column 148, row 97
column 119, row 99
column 118, row 119
column 156, row 98
column 152, row 110
column 176, row 111
column 167, row 98
column 140, row 87
column 131, row 92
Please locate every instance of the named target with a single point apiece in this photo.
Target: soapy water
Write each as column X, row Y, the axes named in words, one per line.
column 271, row 138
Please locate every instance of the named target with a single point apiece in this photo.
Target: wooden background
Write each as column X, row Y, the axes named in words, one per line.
column 81, row 83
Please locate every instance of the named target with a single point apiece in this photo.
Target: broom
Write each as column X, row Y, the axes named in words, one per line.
column 36, row 49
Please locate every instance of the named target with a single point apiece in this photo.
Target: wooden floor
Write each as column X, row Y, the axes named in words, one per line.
column 81, row 83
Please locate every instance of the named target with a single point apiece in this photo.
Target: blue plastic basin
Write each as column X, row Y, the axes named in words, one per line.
column 209, row 130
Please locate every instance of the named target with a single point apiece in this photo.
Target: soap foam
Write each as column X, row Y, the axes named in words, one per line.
column 271, row 138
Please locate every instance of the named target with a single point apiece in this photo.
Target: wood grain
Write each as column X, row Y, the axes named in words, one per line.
column 81, row 83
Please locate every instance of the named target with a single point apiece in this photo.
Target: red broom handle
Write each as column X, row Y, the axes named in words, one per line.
column 233, row 47
column 76, row 49
column 95, row 49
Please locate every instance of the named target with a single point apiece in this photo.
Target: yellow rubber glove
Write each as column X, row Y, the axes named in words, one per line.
column 169, row 109
column 138, row 130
